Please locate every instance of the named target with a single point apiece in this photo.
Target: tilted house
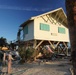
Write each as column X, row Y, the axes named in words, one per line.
column 47, row 29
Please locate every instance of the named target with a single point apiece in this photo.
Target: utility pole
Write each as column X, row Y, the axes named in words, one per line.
column 71, row 17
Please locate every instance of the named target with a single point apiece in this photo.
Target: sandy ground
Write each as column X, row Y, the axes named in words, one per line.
column 58, row 67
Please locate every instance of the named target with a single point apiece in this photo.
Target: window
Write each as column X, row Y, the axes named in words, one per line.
column 61, row 30
column 26, row 29
column 44, row 27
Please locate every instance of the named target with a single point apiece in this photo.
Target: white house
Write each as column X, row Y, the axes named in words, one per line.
column 48, row 28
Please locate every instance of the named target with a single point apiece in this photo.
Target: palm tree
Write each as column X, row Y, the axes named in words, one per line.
column 71, row 17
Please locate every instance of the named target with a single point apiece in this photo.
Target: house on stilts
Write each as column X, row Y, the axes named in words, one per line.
column 50, row 28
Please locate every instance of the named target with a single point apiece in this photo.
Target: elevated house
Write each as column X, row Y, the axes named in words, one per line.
column 50, row 28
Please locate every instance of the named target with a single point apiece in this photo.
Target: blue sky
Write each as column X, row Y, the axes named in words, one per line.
column 14, row 12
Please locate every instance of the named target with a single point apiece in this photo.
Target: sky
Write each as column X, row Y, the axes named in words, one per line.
column 14, row 12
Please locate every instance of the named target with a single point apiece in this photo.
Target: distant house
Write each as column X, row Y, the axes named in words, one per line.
column 47, row 29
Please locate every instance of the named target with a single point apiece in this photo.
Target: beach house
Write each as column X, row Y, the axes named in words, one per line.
column 50, row 28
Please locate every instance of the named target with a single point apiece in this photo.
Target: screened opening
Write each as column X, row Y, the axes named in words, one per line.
column 44, row 27
column 61, row 30
column 26, row 29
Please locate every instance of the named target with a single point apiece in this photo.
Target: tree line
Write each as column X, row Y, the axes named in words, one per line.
column 4, row 43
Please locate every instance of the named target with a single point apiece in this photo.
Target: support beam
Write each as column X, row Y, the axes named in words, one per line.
column 51, row 44
column 57, row 44
column 56, row 14
column 39, row 44
column 66, row 48
column 43, row 18
column 62, row 21
column 58, row 49
column 58, row 17
column 35, row 43
column 65, row 44
column 49, row 18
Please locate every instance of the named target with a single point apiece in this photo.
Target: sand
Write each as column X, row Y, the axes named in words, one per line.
column 58, row 67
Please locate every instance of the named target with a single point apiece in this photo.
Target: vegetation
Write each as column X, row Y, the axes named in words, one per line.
column 3, row 41
column 29, row 54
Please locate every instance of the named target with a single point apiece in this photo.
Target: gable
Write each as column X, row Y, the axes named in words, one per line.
column 57, row 14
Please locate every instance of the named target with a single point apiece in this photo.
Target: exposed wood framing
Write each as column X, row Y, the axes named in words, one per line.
column 49, row 18
column 51, row 44
column 56, row 14
column 58, row 17
column 60, row 46
column 66, row 48
column 62, row 21
column 62, row 49
column 39, row 44
column 44, row 19
column 65, row 44
column 34, row 43
column 57, row 44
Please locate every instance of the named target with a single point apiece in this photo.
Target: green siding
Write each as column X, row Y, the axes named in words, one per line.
column 61, row 30
column 44, row 27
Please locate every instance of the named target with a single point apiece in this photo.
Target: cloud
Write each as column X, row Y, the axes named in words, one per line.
column 23, row 8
